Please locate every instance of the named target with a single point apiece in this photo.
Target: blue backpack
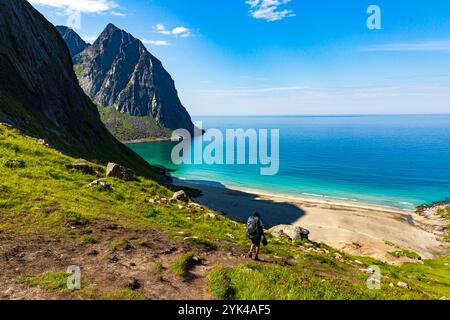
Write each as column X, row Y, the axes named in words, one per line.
column 253, row 227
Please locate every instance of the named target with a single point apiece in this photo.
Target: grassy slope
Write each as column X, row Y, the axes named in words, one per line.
column 128, row 128
column 299, row 271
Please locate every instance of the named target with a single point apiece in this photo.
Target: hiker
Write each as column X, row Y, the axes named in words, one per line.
column 255, row 232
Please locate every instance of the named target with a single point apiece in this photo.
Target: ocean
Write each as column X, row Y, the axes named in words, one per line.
column 399, row 161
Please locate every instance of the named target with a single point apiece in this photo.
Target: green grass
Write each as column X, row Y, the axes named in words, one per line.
column 158, row 271
column 48, row 281
column 445, row 213
column 128, row 128
column 209, row 245
column 45, row 197
column 255, row 281
column 182, row 265
column 56, row 282
column 405, row 253
column 87, row 239
column 118, row 294
column 79, row 71
column 121, row 244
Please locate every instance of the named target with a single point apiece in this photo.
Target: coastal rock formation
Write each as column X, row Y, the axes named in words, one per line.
column 72, row 39
column 39, row 92
column 117, row 71
column 289, row 231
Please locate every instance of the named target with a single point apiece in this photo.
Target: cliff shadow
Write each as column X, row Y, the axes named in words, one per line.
column 239, row 205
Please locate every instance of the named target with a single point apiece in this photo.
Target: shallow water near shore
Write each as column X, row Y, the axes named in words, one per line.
column 396, row 161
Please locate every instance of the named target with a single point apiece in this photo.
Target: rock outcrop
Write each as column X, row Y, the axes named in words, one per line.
column 39, row 92
column 118, row 71
column 289, row 231
column 180, row 196
column 118, row 171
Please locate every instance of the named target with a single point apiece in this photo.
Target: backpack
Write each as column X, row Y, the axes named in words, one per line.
column 253, row 227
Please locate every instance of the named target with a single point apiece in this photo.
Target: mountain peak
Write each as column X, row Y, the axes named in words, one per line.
column 74, row 42
column 119, row 71
column 40, row 94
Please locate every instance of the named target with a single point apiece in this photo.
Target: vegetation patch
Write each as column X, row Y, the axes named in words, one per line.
column 182, row 265
column 48, row 281
column 405, row 253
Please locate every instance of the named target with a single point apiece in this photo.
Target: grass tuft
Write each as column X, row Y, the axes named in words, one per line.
column 183, row 264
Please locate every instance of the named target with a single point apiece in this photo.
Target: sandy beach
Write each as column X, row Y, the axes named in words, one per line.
column 354, row 228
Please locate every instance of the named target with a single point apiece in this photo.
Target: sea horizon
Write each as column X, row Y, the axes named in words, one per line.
column 392, row 161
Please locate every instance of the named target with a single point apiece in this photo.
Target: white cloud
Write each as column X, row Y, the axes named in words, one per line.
column 118, row 14
column 156, row 42
column 82, row 6
column 89, row 38
column 425, row 46
column 269, row 9
column 177, row 31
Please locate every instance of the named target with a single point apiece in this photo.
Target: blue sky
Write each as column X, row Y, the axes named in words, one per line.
column 245, row 57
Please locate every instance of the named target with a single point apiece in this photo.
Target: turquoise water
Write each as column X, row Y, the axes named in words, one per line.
column 396, row 161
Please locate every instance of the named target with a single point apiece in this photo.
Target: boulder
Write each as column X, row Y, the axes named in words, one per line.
column 14, row 164
column 117, row 171
column 82, row 166
column 43, row 142
column 180, row 196
column 102, row 185
column 289, row 231
column 403, row 285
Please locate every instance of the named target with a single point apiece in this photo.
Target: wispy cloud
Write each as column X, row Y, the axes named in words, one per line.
column 82, row 6
column 118, row 14
column 89, row 38
column 424, row 46
column 156, row 42
column 177, row 31
column 269, row 9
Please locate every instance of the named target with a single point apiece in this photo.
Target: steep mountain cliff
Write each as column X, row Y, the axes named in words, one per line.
column 118, row 71
column 72, row 39
column 39, row 92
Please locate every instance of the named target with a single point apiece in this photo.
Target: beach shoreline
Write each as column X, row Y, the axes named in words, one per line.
column 147, row 140
column 352, row 227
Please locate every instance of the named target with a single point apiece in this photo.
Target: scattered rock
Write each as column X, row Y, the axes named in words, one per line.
column 180, row 196
column 12, row 164
column 169, row 251
column 443, row 298
column 229, row 235
column 117, row 171
column 132, row 264
column 93, row 253
column 292, row 232
column 134, row 284
column 391, row 285
column 163, row 200
column 370, row 271
column 102, row 185
column 43, row 142
column 212, row 215
column 403, row 285
column 358, row 262
column 82, row 166
column 339, row 257
column 113, row 259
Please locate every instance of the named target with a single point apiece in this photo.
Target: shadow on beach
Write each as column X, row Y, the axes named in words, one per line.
column 238, row 205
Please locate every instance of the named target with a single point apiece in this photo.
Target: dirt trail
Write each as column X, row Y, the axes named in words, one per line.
column 145, row 261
